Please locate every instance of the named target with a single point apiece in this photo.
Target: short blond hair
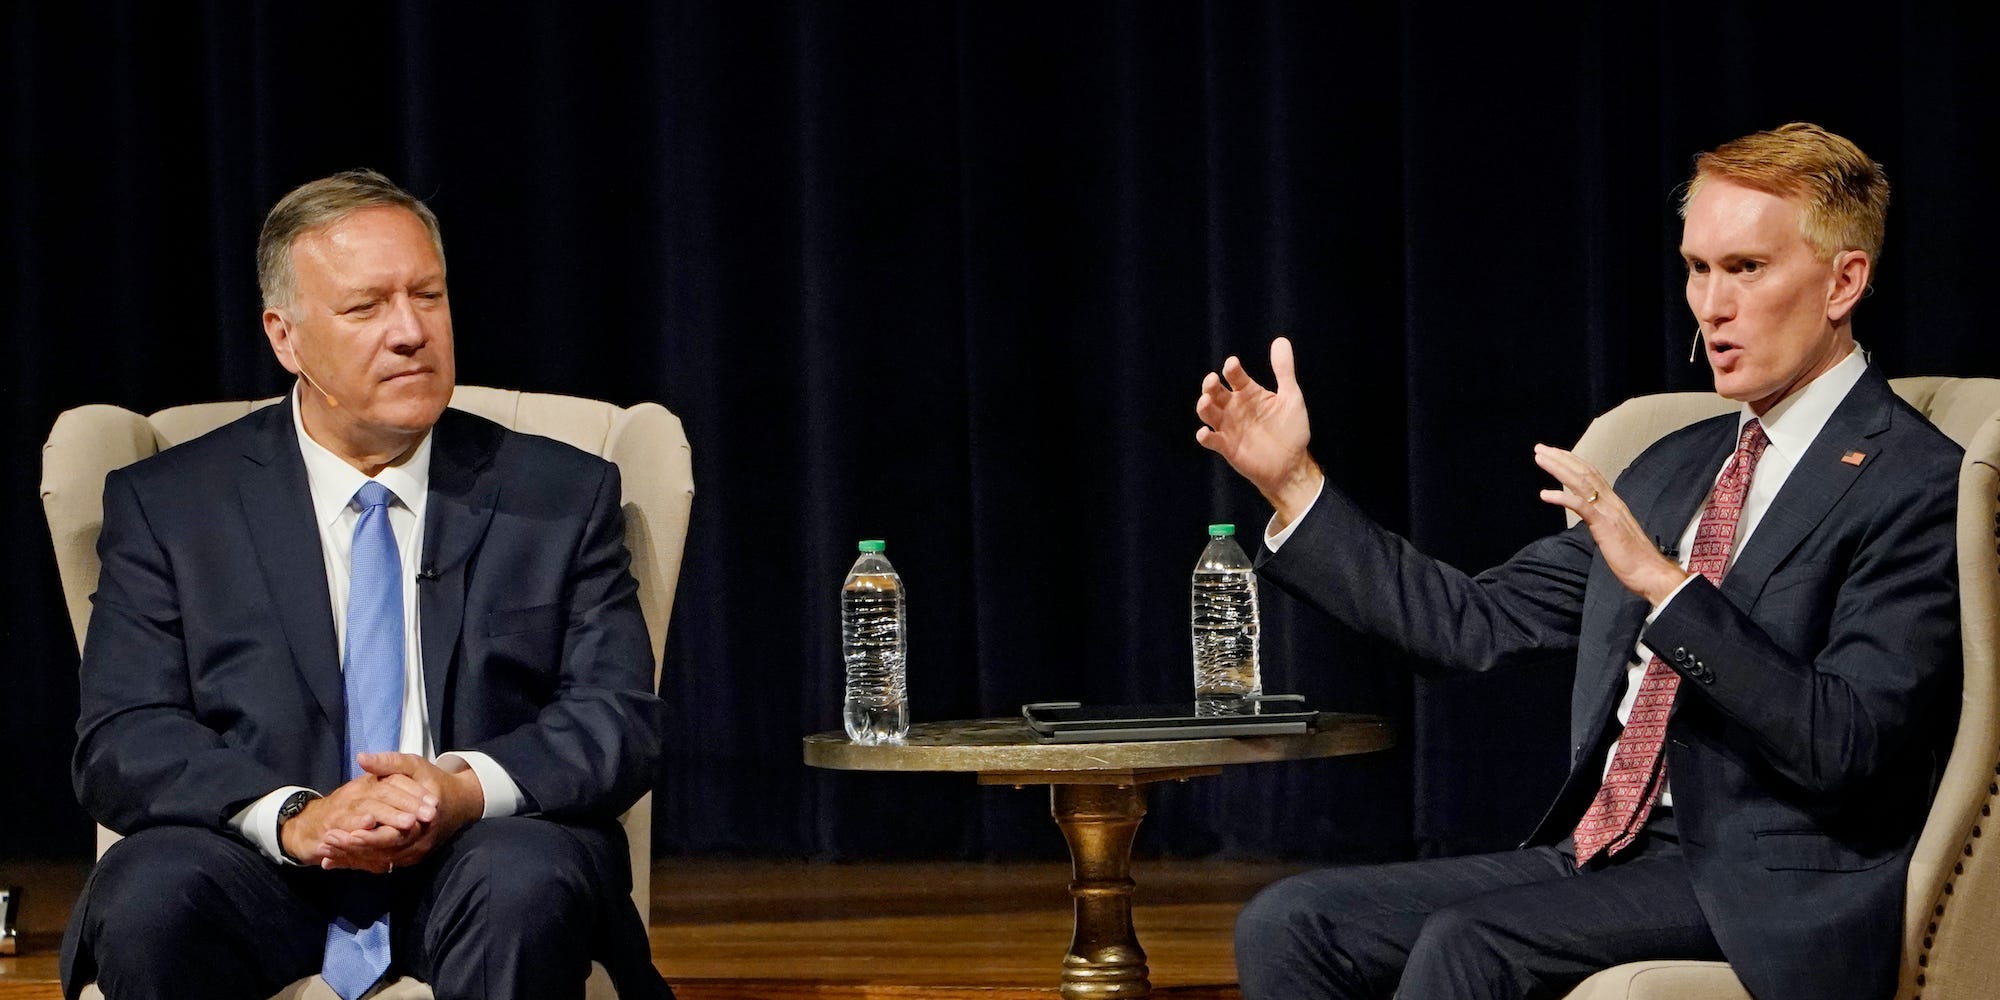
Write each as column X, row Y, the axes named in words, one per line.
column 1843, row 195
column 316, row 205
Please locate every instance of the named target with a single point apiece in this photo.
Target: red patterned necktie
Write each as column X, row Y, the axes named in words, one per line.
column 1637, row 772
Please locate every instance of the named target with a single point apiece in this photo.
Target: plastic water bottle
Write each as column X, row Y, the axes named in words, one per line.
column 1225, row 623
column 873, row 642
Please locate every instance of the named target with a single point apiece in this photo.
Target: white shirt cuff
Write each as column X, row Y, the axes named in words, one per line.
column 503, row 796
column 1646, row 652
column 1273, row 539
column 1655, row 613
column 258, row 823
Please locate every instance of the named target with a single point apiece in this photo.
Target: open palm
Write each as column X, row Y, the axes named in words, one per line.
column 1263, row 434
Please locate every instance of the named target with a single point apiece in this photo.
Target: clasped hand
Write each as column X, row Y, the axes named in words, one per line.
column 394, row 814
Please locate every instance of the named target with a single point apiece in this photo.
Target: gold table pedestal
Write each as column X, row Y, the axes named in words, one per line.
column 1099, row 821
column 1097, row 797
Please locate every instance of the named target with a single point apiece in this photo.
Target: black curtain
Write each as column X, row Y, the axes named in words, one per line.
column 950, row 274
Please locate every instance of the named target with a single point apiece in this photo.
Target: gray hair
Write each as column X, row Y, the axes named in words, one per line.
column 316, row 205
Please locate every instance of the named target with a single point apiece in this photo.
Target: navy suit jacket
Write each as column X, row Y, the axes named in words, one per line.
column 211, row 673
column 1817, row 682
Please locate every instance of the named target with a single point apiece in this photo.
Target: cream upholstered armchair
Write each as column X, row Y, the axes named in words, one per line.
column 645, row 441
column 1951, row 918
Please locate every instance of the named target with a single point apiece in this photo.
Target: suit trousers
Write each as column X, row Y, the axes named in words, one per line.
column 510, row 907
column 1517, row 924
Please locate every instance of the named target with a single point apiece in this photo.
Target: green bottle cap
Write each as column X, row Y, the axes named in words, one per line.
column 1221, row 530
column 877, row 545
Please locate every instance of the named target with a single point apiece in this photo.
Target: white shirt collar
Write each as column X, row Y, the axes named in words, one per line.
column 1798, row 418
column 333, row 481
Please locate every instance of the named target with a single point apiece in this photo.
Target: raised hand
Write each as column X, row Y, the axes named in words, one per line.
column 1263, row 434
column 1620, row 538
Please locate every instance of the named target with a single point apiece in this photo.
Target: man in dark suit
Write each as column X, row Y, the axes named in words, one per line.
column 1756, row 729
column 366, row 683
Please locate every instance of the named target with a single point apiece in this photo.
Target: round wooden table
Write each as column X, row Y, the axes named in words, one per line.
column 1097, row 796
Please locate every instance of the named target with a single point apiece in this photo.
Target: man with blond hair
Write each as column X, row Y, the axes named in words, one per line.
column 366, row 684
column 1758, row 711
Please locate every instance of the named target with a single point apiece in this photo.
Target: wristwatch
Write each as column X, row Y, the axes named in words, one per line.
column 293, row 805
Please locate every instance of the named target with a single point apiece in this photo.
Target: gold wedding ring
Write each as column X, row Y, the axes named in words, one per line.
column 1593, row 497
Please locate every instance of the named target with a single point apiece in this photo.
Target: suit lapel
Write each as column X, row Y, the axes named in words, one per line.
column 1817, row 482
column 1680, row 499
column 1666, row 516
column 457, row 513
column 277, row 506
column 1663, row 507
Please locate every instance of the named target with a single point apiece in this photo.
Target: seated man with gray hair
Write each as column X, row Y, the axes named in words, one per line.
column 366, row 685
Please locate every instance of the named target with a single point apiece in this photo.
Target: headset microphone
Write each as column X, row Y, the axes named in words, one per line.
column 330, row 401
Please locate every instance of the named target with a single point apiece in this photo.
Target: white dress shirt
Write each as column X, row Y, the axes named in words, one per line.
column 1791, row 426
column 333, row 484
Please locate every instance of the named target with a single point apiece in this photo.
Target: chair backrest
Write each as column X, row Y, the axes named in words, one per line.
column 1958, row 406
column 645, row 441
column 1952, row 912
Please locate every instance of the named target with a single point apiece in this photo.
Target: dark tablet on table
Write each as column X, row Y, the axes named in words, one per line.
column 1073, row 722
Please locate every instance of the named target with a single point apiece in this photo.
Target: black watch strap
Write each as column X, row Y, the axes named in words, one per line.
column 293, row 805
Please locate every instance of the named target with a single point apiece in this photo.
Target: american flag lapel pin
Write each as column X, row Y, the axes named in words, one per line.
column 1853, row 458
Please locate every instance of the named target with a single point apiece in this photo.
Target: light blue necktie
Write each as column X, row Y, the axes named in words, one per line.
column 357, row 941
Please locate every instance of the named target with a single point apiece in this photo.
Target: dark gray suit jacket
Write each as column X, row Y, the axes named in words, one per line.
column 1815, row 704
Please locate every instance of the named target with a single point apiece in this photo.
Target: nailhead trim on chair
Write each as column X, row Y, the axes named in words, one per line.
column 1992, row 790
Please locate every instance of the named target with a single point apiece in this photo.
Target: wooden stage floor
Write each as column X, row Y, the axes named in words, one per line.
column 733, row 930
